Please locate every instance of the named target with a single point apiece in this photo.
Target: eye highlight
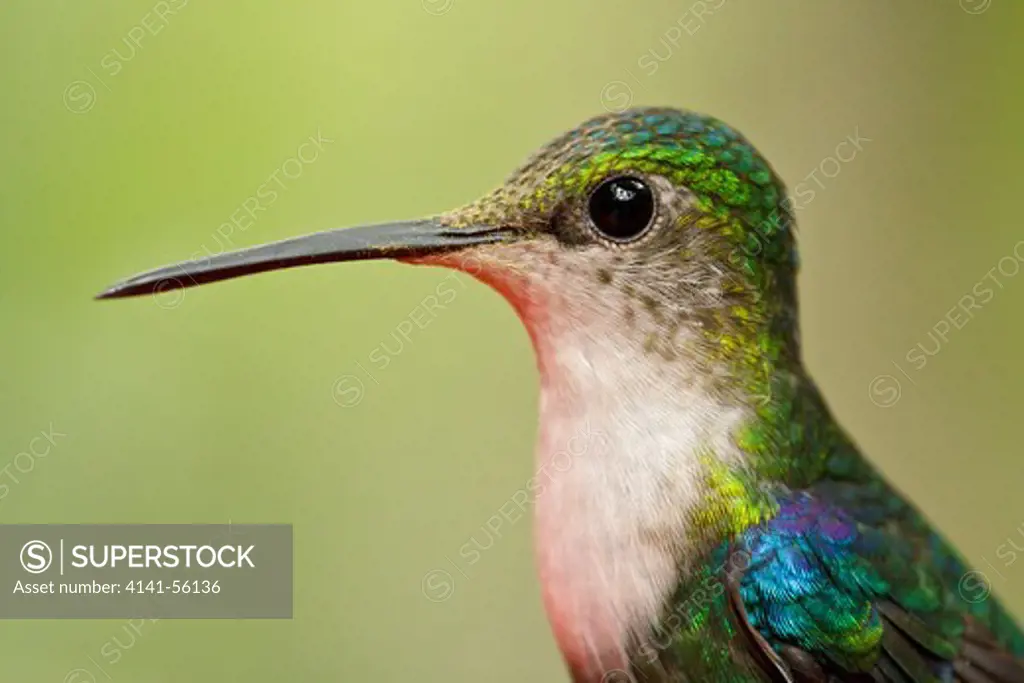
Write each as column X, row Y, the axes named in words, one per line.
column 621, row 209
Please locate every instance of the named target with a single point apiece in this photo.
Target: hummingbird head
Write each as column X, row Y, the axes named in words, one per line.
column 666, row 225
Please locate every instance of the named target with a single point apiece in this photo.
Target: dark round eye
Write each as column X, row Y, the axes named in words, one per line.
column 622, row 208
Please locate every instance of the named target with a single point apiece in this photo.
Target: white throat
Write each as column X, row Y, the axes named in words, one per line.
column 621, row 454
column 619, row 463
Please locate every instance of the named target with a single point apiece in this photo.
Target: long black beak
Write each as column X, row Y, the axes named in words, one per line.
column 389, row 240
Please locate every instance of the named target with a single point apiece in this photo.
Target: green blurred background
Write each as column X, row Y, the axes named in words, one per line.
column 226, row 405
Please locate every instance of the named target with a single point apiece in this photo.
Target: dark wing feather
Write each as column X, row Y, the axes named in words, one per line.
column 848, row 583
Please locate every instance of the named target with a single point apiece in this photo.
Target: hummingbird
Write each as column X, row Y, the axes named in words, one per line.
column 717, row 524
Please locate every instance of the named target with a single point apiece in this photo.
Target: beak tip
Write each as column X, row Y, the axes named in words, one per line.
column 124, row 290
